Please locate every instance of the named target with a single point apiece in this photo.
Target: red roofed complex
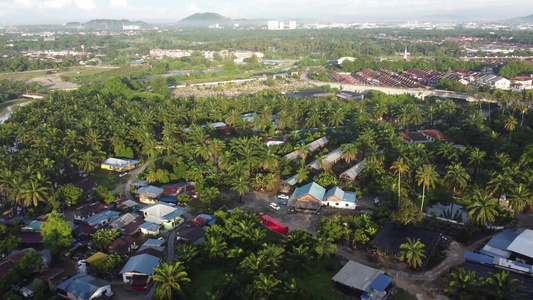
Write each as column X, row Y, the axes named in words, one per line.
column 433, row 135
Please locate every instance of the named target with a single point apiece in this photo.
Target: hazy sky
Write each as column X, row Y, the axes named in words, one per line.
column 61, row 11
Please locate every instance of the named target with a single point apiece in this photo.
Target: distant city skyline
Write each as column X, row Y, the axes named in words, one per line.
column 169, row 11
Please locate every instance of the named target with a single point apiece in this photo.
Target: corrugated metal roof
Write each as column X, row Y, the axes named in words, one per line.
column 479, row 258
column 503, row 239
column 312, row 188
column 321, row 142
column 523, row 244
column 100, row 217
column 330, row 158
column 143, row 263
column 381, row 283
column 82, row 285
column 356, row 276
column 352, row 172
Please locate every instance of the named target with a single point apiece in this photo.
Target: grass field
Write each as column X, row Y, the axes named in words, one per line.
column 33, row 74
column 108, row 179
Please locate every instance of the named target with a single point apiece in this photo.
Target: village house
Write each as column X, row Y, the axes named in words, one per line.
column 148, row 194
column 122, row 245
column 163, row 214
column 308, row 198
column 118, row 165
column 87, row 210
column 336, row 197
column 357, row 280
column 100, row 219
column 352, row 173
column 84, row 287
column 139, row 265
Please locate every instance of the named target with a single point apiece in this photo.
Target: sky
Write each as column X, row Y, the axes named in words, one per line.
column 166, row 11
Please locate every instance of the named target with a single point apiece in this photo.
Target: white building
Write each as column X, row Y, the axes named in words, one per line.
column 336, row 197
column 131, row 27
column 292, row 24
column 495, row 81
column 273, row 25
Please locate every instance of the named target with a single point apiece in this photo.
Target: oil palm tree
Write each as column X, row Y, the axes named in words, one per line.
column 464, row 283
column 399, row 168
column 169, row 279
column 349, row 152
column 413, row 252
column 520, row 197
column 505, row 287
column 324, row 246
column 476, row 159
column 104, row 237
column 241, row 186
column 426, row 176
column 264, row 287
column 510, row 124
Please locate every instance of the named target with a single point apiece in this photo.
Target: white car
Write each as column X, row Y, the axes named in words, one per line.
column 275, row 206
column 283, row 197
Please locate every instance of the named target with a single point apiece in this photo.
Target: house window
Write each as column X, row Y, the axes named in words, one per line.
column 337, row 203
column 347, row 204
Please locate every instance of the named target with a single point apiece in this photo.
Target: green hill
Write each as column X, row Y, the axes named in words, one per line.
column 202, row 19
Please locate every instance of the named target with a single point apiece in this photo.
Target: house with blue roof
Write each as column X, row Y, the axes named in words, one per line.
column 118, row 164
column 101, row 218
column 338, row 198
column 139, row 265
column 84, row 287
column 308, row 197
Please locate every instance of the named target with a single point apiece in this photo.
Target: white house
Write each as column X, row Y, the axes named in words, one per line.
column 336, row 197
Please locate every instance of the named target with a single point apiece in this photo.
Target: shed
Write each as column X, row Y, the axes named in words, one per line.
column 352, row 173
column 331, row 158
column 356, row 279
column 150, row 228
column 321, row 142
column 118, row 164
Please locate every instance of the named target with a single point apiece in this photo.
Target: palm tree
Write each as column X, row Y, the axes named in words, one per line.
column 476, row 159
column 324, row 246
column 215, row 245
column 169, row 279
column 321, row 161
column 380, row 110
column 399, row 167
column 302, row 174
column 302, row 150
column 431, row 113
column 34, row 191
column 253, row 264
column 519, row 197
column 456, row 176
column 510, row 124
column 349, row 152
column 464, row 283
column 483, row 207
column 413, row 252
column 426, row 176
column 241, row 186
column 506, row 288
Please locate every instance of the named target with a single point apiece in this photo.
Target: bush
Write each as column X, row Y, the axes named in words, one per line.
column 464, row 235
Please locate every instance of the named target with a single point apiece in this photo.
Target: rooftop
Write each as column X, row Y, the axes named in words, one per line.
column 523, row 243
column 82, row 285
column 143, row 263
column 100, row 217
column 163, row 211
column 312, row 188
column 119, row 163
column 357, row 276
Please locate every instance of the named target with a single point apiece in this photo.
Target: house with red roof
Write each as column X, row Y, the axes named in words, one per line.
column 122, row 245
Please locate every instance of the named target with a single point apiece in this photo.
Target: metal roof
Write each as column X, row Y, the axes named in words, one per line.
column 312, row 188
column 331, row 157
column 479, row 258
column 523, row 244
column 143, row 264
column 352, row 172
column 119, row 163
column 381, row 283
column 150, row 226
column 321, row 142
column 503, row 239
column 356, row 276
column 163, row 211
column 150, row 189
column 100, row 217
column 82, row 285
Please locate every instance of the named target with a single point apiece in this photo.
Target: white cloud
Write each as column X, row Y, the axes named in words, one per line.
column 57, row 3
column 24, row 4
column 85, row 4
column 118, row 3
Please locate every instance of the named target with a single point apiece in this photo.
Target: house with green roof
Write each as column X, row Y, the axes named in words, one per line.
column 308, row 197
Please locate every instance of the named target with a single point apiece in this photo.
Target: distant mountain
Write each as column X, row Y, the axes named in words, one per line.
column 203, row 20
column 526, row 19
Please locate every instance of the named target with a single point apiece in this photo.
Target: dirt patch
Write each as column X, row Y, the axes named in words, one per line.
column 53, row 82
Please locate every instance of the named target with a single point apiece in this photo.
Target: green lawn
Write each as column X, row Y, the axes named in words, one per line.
column 318, row 282
column 108, row 179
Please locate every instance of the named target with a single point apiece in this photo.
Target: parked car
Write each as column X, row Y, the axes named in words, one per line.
column 123, row 174
column 275, row 206
column 282, row 202
column 283, row 196
column 377, row 202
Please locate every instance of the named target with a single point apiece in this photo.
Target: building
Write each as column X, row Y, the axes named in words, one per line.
column 118, row 165
column 100, row 219
column 87, row 210
column 142, row 264
column 193, row 235
column 148, row 194
column 292, row 24
column 522, row 82
column 163, row 214
column 495, row 81
column 352, row 173
column 157, row 244
column 139, row 64
column 336, row 197
column 498, row 244
column 355, row 279
column 331, row 159
column 84, row 287
column 270, row 141
column 308, row 198
column 273, row 25
column 86, row 184
column 314, row 145
column 122, row 245
column 522, row 246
